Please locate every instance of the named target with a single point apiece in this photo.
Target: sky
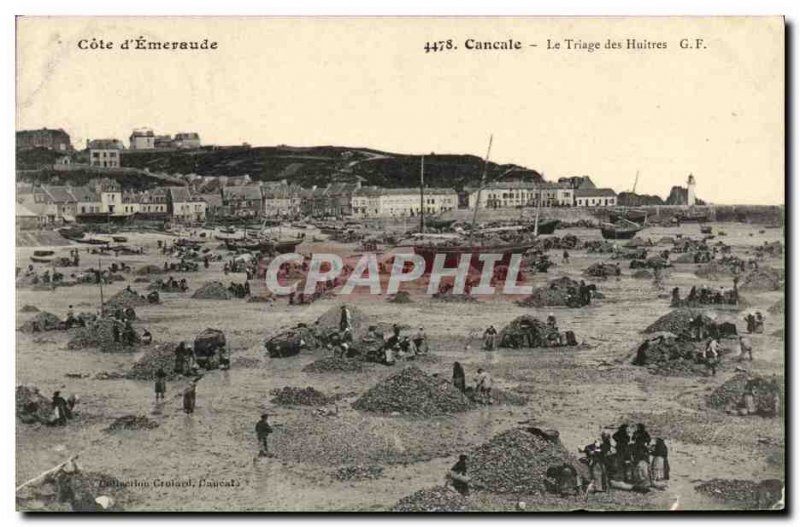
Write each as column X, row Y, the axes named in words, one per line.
column 716, row 112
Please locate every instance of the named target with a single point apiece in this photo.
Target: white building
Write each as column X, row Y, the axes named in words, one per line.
column 142, row 139
column 281, row 199
column 186, row 140
column 153, row 203
column 87, row 200
column 400, row 202
column 105, row 153
column 510, row 194
column 595, row 197
column 110, row 197
column 130, row 203
column 184, row 207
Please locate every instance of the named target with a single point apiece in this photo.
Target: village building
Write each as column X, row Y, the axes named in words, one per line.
column 64, row 203
column 110, row 197
column 163, row 142
column 142, row 139
column 214, row 208
column 281, row 199
column 402, row 202
column 153, row 204
column 185, row 207
column 27, row 219
column 512, row 194
column 87, row 201
column 105, row 153
column 186, row 140
column 37, row 200
column 62, row 162
column 576, row 182
column 243, row 201
column 337, row 199
column 367, row 202
column 130, row 203
column 597, row 197
column 44, row 138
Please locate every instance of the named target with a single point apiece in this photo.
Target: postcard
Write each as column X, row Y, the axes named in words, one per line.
column 400, row 264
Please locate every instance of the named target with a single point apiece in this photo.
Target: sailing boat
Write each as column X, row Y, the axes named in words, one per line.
column 454, row 250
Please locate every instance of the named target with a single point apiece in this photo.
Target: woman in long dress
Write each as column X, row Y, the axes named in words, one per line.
column 659, row 467
column 189, row 398
column 459, row 377
column 597, row 468
column 641, row 470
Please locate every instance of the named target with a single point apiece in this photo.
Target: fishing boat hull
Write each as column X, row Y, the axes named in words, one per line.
column 286, row 246
column 636, row 216
column 692, row 217
column 279, row 246
column 612, row 233
column 546, row 226
column 42, row 259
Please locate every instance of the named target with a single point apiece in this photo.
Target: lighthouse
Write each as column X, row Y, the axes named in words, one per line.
column 690, row 199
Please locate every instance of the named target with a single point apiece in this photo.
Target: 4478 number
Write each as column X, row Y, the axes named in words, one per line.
column 439, row 45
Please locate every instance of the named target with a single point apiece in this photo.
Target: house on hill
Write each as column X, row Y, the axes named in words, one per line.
column 105, row 153
column 142, row 139
column 46, row 138
column 186, row 140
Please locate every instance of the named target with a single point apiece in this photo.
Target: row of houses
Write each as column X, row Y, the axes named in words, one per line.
column 104, row 200
column 566, row 193
column 146, row 139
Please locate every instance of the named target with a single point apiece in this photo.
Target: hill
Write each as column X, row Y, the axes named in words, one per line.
column 319, row 165
column 128, row 178
column 629, row 199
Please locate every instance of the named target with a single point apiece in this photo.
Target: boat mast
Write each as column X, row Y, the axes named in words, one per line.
column 536, row 218
column 480, row 188
column 422, row 195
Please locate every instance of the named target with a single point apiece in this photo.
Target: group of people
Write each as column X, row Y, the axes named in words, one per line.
column 63, row 409
column 378, row 347
column 171, row 284
column 239, row 266
column 631, row 462
column 483, row 383
column 239, row 290
column 755, row 322
column 529, row 334
column 578, row 296
column 748, row 405
column 45, row 277
column 183, row 266
column 705, row 295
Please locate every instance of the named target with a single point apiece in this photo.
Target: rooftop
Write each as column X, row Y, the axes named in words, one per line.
column 595, row 193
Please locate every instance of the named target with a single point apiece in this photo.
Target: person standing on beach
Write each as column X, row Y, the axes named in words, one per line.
column 161, row 384
column 190, row 398
column 459, row 377
column 263, row 430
